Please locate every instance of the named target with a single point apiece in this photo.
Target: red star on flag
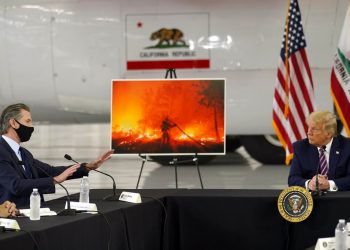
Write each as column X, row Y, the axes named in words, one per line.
column 139, row 25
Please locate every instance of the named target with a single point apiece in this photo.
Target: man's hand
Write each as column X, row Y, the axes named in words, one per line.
column 323, row 183
column 312, row 184
column 100, row 160
column 66, row 173
column 8, row 209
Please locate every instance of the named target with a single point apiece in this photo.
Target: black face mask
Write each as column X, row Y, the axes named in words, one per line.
column 24, row 132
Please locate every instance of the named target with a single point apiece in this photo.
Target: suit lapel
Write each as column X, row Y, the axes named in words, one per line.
column 314, row 158
column 334, row 155
column 15, row 159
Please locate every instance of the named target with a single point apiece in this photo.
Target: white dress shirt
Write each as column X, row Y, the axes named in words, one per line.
column 332, row 186
column 15, row 147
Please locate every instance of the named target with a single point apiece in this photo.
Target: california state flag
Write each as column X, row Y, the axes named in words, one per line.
column 340, row 77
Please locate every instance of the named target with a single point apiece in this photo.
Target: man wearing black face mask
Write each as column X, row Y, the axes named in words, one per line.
column 20, row 172
column 24, row 132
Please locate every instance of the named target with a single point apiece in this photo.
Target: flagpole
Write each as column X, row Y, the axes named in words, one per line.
column 286, row 62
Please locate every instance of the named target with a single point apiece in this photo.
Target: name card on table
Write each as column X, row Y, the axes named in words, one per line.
column 9, row 224
column 83, row 206
column 329, row 243
column 130, row 197
column 325, row 244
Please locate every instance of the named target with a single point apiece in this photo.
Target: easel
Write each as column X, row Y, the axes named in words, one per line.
column 171, row 71
column 175, row 161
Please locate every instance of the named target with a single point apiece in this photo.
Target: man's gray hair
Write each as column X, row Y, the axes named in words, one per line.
column 11, row 112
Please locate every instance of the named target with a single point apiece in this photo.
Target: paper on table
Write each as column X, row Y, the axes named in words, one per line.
column 45, row 211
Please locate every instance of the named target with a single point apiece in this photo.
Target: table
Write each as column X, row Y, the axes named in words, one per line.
column 195, row 219
column 247, row 219
column 133, row 226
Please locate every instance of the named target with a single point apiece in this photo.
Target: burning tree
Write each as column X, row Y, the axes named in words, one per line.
column 212, row 96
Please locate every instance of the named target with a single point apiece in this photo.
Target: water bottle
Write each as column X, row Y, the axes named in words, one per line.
column 341, row 234
column 84, row 190
column 35, row 205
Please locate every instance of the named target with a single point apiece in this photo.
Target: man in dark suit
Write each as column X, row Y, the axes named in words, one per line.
column 20, row 172
column 324, row 151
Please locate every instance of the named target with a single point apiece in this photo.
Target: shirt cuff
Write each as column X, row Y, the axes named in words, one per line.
column 332, row 186
column 307, row 185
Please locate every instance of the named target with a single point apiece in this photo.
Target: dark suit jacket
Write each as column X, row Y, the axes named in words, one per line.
column 16, row 186
column 306, row 159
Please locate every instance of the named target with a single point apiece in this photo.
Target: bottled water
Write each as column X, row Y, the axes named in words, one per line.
column 35, row 205
column 84, row 190
column 341, row 234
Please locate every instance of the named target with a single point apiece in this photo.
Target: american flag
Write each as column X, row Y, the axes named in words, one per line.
column 294, row 91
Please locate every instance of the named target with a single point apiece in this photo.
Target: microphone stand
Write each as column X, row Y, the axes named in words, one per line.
column 68, row 211
column 111, row 197
column 317, row 192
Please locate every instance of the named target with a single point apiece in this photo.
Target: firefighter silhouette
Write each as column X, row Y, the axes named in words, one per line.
column 166, row 126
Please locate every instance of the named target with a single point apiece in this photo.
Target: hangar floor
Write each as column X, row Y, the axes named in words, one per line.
column 84, row 142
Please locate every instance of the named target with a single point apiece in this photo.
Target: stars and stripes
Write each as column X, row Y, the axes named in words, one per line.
column 294, row 91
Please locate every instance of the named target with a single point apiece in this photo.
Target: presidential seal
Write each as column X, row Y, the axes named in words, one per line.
column 295, row 204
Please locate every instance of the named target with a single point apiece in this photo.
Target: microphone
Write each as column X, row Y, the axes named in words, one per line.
column 317, row 192
column 63, row 212
column 112, row 197
column 4, row 229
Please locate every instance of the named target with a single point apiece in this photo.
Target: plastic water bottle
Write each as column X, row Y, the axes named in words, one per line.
column 341, row 234
column 84, row 190
column 35, row 205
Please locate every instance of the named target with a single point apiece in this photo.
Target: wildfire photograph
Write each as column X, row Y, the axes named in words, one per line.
column 168, row 116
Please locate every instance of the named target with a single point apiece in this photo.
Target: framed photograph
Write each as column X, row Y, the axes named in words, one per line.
column 168, row 116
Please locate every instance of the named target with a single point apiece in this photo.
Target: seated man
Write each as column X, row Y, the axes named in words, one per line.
column 8, row 209
column 20, row 172
column 323, row 153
